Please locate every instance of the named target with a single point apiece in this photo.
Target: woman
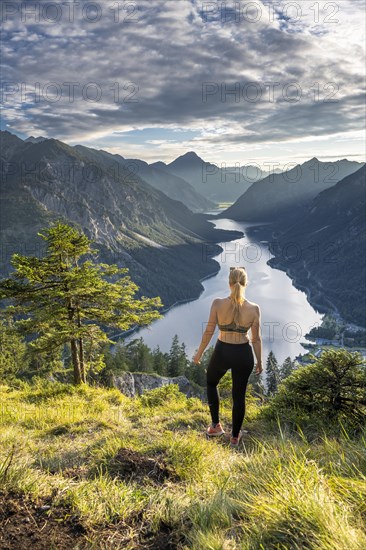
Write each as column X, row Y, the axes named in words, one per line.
column 234, row 316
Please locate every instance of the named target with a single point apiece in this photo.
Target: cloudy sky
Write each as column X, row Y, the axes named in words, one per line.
column 235, row 81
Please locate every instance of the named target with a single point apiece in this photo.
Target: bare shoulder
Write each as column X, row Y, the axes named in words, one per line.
column 255, row 307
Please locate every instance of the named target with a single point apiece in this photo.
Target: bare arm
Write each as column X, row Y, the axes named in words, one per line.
column 210, row 329
column 257, row 339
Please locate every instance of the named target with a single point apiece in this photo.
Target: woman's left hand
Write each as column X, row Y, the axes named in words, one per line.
column 196, row 359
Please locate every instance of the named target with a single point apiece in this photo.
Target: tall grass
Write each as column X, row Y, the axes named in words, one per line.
column 279, row 491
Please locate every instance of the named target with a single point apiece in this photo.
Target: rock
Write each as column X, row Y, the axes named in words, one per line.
column 134, row 383
column 125, row 383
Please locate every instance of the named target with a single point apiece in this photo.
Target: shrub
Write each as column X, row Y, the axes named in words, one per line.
column 330, row 391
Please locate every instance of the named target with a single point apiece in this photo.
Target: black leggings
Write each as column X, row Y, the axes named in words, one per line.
column 240, row 359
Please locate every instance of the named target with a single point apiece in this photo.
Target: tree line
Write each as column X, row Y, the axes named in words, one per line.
column 17, row 359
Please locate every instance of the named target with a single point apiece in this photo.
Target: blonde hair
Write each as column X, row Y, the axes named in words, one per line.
column 238, row 279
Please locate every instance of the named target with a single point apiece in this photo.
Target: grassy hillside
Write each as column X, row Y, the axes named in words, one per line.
column 91, row 468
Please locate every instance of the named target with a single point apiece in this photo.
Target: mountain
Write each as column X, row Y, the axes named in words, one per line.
column 188, row 161
column 280, row 197
column 328, row 248
column 160, row 164
column 9, row 144
column 36, row 139
column 176, row 188
column 219, row 184
column 134, row 225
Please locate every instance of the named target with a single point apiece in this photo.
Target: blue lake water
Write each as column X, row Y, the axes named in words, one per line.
column 286, row 314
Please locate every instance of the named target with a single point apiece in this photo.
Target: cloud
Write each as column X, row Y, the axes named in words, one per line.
column 149, row 65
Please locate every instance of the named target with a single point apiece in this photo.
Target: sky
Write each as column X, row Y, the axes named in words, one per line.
column 236, row 81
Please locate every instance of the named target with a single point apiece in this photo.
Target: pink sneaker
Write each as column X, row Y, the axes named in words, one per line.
column 234, row 441
column 211, row 431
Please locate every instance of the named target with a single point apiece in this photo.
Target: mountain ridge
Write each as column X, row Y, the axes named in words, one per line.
column 124, row 215
column 329, row 239
column 285, row 195
column 172, row 186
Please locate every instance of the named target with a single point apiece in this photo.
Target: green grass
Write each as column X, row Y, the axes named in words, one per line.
column 279, row 491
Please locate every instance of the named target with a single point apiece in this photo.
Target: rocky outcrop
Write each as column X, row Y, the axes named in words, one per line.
column 132, row 384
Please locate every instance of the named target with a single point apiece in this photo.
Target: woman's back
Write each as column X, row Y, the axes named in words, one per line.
column 247, row 314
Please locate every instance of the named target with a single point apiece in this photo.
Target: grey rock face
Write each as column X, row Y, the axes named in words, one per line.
column 132, row 384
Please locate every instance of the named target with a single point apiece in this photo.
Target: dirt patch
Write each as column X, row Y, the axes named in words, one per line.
column 74, row 429
column 132, row 465
column 165, row 539
column 26, row 523
column 77, row 473
column 136, row 533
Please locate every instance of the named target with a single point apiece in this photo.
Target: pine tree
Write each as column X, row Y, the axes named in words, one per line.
column 13, row 356
column 63, row 298
column 272, row 374
column 197, row 373
column 184, row 359
column 160, row 362
column 120, row 357
column 109, row 358
column 116, row 359
column 47, row 362
column 286, row 368
column 139, row 355
column 177, row 358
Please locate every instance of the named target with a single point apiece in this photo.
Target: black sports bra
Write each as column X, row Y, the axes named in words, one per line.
column 232, row 328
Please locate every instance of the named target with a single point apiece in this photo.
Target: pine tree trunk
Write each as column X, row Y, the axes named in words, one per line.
column 78, row 378
column 81, row 361
column 75, row 362
column 81, row 350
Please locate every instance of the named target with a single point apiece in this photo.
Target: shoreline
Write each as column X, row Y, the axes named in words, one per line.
column 277, row 264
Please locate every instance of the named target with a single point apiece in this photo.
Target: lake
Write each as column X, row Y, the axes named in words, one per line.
column 286, row 314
